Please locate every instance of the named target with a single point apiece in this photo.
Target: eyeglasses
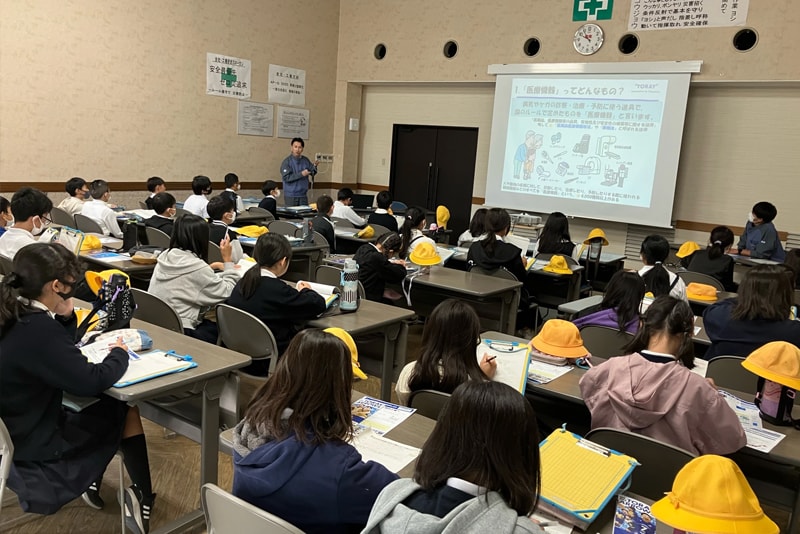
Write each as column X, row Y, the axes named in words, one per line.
column 46, row 218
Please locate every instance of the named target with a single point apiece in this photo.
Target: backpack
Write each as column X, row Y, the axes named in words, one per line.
column 115, row 298
column 775, row 403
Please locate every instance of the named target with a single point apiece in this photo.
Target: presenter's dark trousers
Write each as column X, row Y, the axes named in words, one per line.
column 296, row 201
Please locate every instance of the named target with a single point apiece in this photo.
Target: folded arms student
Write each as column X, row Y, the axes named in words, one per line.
column 760, row 238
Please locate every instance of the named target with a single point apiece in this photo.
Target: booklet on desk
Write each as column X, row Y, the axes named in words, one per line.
column 512, row 361
column 147, row 365
column 633, row 516
column 579, row 477
column 329, row 293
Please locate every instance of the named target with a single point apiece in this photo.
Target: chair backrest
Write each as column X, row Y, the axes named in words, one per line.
column 398, row 206
column 5, row 265
column 329, row 275
column 245, row 333
column 143, row 205
column 728, row 373
column 316, row 237
column 500, row 272
column 214, row 253
column 660, row 461
column 428, row 402
column 605, row 342
column 86, row 224
column 546, row 256
column 156, row 237
column 153, row 309
column 379, row 230
column 180, row 212
column 61, row 217
column 342, row 223
column 261, row 212
column 227, row 513
column 797, row 297
column 689, row 276
column 6, row 457
column 282, row 227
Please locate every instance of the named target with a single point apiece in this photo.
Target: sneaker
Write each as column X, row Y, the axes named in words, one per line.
column 137, row 510
column 92, row 497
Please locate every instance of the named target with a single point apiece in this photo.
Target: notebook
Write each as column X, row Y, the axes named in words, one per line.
column 147, row 365
column 329, row 293
column 512, row 359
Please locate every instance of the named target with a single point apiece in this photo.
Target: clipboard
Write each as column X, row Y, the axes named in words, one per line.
column 72, row 239
column 152, row 364
column 513, row 359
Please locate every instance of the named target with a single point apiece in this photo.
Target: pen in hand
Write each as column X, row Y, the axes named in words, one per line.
column 490, row 358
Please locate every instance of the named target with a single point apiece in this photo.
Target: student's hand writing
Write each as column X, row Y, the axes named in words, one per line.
column 226, row 249
column 302, row 285
column 118, row 344
column 398, row 261
column 488, row 365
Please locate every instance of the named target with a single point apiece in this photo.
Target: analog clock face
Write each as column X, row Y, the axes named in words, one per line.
column 588, row 39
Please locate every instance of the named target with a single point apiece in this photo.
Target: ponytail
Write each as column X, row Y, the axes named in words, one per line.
column 269, row 250
column 497, row 223
column 414, row 216
column 721, row 238
column 656, row 280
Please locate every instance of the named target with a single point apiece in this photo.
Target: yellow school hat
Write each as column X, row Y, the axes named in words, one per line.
column 710, row 494
column 442, row 216
column 558, row 265
column 91, row 242
column 560, row 338
column 351, row 345
column 687, row 249
column 698, row 291
column 366, row 232
column 252, row 230
column 778, row 361
column 95, row 280
column 594, row 234
column 425, row 254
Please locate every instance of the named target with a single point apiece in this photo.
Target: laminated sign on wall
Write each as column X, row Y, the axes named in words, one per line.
column 287, row 85
column 292, row 122
column 227, row 76
column 678, row 14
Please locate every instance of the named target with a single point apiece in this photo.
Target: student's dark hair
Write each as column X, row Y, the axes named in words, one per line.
column 73, row 185
column 201, row 184
column 298, row 140
column 470, row 441
column 154, row 182
column 320, row 414
column 764, row 294
column 414, row 216
column 162, row 202
column 655, row 249
column 384, row 200
column 28, row 202
column 190, row 232
column 555, row 231
column 34, row 266
column 324, row 204
column 766, row 211
column 719, row 241
column 344, row 193
column 447, row 352
column 790, row 275
column 669, row 316
column 98, row 189
column 792, row 261
column 497, row 223
column 218, row 206
column 268, row 186
column 390, row 242
column 477, row 226
column 4, row 204
column 231, row 179
column 269, row 250
column 624, row 294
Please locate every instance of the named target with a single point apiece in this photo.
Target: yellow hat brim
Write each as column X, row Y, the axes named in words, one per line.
column 763, row 372
column 683, row 519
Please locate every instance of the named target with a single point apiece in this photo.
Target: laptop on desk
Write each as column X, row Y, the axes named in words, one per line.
column 362, row 202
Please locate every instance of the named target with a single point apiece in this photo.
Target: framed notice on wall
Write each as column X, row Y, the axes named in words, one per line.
column 292, row 122
column 255, row 118
column 227, row 76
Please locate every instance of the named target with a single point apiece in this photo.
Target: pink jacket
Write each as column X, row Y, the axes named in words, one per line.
column 665, row 401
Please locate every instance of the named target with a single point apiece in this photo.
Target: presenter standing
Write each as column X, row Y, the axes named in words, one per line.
column 297, row 173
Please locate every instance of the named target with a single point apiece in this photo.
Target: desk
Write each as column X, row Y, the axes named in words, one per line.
column 494, row 299
column 576, row 308
column 381, row 318
column 553, row 289
column 347, row 242
column 721, row 295
column 287, row 213
column 245, row 218
column 126, row 266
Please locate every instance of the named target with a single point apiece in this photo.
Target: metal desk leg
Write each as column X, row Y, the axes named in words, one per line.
column 508, row 311
column 390, row 335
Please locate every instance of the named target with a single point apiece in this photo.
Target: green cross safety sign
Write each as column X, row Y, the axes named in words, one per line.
column 583, row 10
column 228, row 77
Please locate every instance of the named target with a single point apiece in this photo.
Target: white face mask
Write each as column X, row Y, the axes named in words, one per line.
column 277, row 193
column 750, row 217
column 233, row 217
column 37, row 230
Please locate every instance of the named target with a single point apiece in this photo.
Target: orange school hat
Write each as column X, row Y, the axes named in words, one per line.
column 697, row 291
column 687, row 249
column 560, row 338
column 778, row 362
column 425, row 254
column 558, row 264
column 351, row 345
column 595, row 234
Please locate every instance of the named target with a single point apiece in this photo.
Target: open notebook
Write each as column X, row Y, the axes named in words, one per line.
column 143, row 366
column 329, row 293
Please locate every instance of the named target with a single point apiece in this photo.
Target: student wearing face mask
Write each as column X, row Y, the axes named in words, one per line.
column 31, row 211
column 760, row 238
column 221, row 214
column 271, row 196
column 6, row 217
column 232, row 185
column 376, row 266
column 164, row 206
column 196, row 203
column 99, row 210
column 78, row 191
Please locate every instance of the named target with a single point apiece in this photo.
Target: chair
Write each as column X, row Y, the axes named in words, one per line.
column 428, row 402
column 152, row 309
column 728, row 373
column 689, row 276
column 61, row 217
column 156, row 237
column 660, row 461
column 87, row 225
column 245, row 333
column 143, row 205
column 214, row 253
column 797, row 297
column 6, row 457
column 282, row 227
column 398, row 206
column 261, row 212
column 6, row 265
column 180, row 212
column 605, row 342
column 328, row 275
column 227, row 513
column 342, row 223
column 502, row 272
column 316, row 237
column 379, row 230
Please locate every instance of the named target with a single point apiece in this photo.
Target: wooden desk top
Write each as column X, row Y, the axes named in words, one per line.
column 370, row 315
column 472, row 284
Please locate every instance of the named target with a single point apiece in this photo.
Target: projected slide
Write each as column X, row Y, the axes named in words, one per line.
column 589, row 139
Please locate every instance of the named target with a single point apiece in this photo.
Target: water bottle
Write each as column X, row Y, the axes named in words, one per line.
column 308, row 237
column 348, row 300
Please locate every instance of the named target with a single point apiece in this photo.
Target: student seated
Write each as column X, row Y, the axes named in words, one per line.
column 164, row 205
column 476, row 230
column 187, row 282
column 621, row 303
column 471, row 476
column 232, row 185
column 555, row 238
column 759, row 314
column 381, row 215
column 447, row 355
column 31, row 210
column 196, row 203
column 155, row 185
column 714, row 260
column 322, row 223
column 492, row 252
column 6, row 217
column 78, row 191
column 60, row 454
column 221, row 213
column 760, row 238
column 411, row 231
column 657, row 279
column 263, row 294
column 292, row 455
column 342, row 209
column 271, row 196
column 653, row 392
column 376, row 268
column 99, row 210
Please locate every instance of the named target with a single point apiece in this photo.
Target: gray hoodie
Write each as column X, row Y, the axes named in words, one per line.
column 482, row 514
column 189, row 285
